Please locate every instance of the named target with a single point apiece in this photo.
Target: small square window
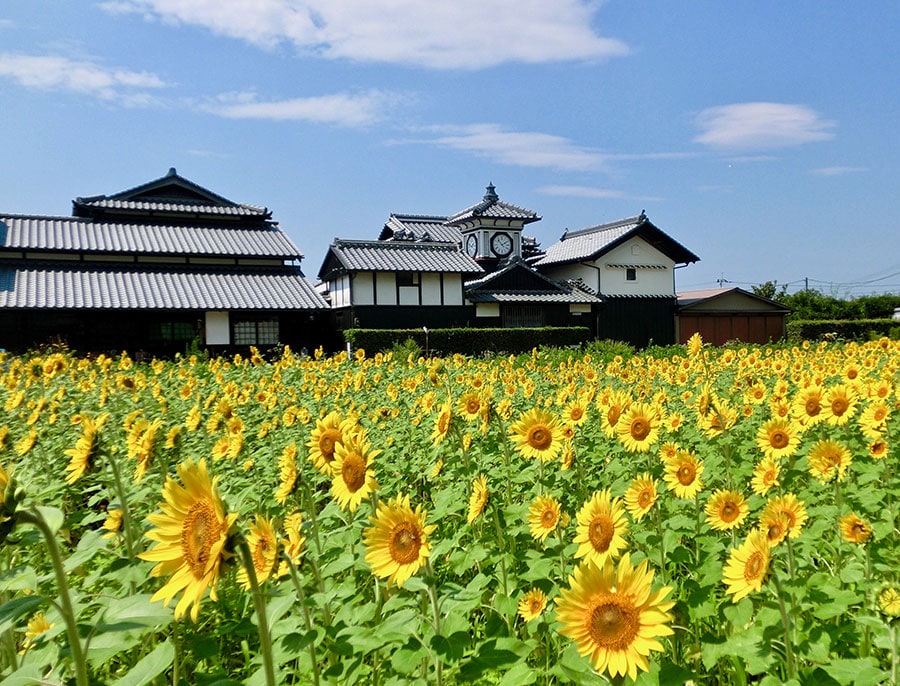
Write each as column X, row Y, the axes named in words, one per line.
column 407, row 278
column 631, row 274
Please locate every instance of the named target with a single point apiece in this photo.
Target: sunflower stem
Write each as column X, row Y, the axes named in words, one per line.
column 895, row 656
column 66, row 609
column 301, row 595
column 787, row 626
column 431, row 589
column 123, row 503
column 262, row 619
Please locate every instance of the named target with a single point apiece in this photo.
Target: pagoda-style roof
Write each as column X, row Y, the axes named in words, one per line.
column 492, row 208
column 172, row 196
column 396, row 256
column 591, row 243
column 420, row 226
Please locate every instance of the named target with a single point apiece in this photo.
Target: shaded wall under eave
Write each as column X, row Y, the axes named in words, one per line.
column 638, row 321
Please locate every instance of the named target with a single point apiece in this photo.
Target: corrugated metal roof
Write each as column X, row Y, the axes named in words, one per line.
column 175, row 207
column 403, row 256
column 49, row 286
column 586, row 243
column 84, row 235
column 574, row 296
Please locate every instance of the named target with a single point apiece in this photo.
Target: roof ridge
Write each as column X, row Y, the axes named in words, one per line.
column 604, row 227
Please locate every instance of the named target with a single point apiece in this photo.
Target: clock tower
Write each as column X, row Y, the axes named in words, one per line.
column 492, row 229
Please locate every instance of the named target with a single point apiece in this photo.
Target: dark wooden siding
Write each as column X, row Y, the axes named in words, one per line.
column 718, row 329
column 638, row 321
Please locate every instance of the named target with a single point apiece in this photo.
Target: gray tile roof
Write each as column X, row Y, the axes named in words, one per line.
column 574, row 296
column 435, row 228
column 402, row 256
column 45, row 285
column 242, row 210
column 83, row 235
column 516, row 281
column 493, row 208
column 590, row 243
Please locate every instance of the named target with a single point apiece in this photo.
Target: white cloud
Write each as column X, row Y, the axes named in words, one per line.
column 520, row 149
column 581, row 192
column 761, row 125
column 839, row 171
column 47, row 72
column 467, row 34
column 343, row 109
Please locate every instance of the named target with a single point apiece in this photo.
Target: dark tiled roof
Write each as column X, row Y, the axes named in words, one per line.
column 435, row 228
column 180, row 208
column 44, row 285
column 402, row 256
column 516, row 281
column 83, row 235
column 573, row 296
column 493, row 208
column 590, row 243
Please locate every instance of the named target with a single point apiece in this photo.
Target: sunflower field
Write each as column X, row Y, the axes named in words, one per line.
column 696, row 515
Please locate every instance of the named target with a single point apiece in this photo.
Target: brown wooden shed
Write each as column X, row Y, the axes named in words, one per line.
column 721, row 315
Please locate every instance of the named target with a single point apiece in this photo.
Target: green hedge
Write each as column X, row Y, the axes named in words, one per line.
column 843, row 329
column 468, row 341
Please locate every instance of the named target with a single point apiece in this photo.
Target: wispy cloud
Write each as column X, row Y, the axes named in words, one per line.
column 839, row 171
column 516, row 148
column 761, row 125
column 343, row 109
column 466, row 34
column 49, row 72
column 592, row 192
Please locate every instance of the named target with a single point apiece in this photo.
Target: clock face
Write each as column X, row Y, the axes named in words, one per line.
column 471, row 246
column 501, row 244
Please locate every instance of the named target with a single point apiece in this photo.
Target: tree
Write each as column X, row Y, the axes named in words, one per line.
column 770, row 290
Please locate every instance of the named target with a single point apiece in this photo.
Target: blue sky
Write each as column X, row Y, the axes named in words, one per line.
column 762, row 136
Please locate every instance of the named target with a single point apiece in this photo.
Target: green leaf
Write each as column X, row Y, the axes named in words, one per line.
column 451, row 647
column 837, row 604
column 149, row 666
column 27, row 675
column 519, row 675
column 407, row 659
column 861, row 672
column 18, row 579
column 133, row 613
column 15, row 608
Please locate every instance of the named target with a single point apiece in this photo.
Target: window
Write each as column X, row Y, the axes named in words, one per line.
column 518, row 316
column 172, row 331
column 407, row 278
column 630, row 274
column 255, row 332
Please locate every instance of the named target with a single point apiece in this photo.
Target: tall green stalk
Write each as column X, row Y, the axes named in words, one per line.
column 262, row 620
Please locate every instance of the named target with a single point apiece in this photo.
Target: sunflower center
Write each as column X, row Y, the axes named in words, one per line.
column 536, row 606
column 779, row 439
column 539, row 437
column 405, row 543
column 838, row 407
column 729, row 512
column 614, row 623
column 443, row 422
column 754, row 567
column 600, row 532
column 612, row 415
column 645, row 498
column 686, row 474
column 353, row 472
column 880, row 414
column 576, row 413
column 327, row 441
column 200, row 531
column 640, row 429
column 548, row 518
column 473, row 405
column 813, row 407
column 261, row 555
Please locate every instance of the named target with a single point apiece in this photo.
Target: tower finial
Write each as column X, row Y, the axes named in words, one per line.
column 491, row 193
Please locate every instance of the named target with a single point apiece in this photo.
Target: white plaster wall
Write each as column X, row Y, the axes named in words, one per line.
column 561, row 272
column 453, row 294
column 363, row 293
column 218, row 332
column 487, row 309
column 409, row 295
column 385, row 288
column 431, row 288
column 648, row 282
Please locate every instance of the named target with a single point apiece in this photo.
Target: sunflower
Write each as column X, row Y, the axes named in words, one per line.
column 614, row 616
column 747, row 566
column 287, row 467
column 353, row 479
column 191, row 533
column 601, row 528
column 37, row 627
column 543, row 516
column 442, row 423
column 113, row 522
column 878, row 449
column 641, row 496
column 537, row 434
column 472, row 406
column 293, row 545
column 637, row 428
column 611, row 409
column 397, row 541
column 85, row 446
column 855, row 529
column 324, row 439
column 806, row 406
column 26, row 443
column 683, row 474
column 775, row 525
column 532, row 604
column 576, row 412
column 478, row 499
column 694, row 344
column 873, row 419
column 726, row 510
column 765, row 475
column 839, row 404
column 888, row 602
column 828, row 459
column 792, row 508
column 778, row 437
column 263, row 552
